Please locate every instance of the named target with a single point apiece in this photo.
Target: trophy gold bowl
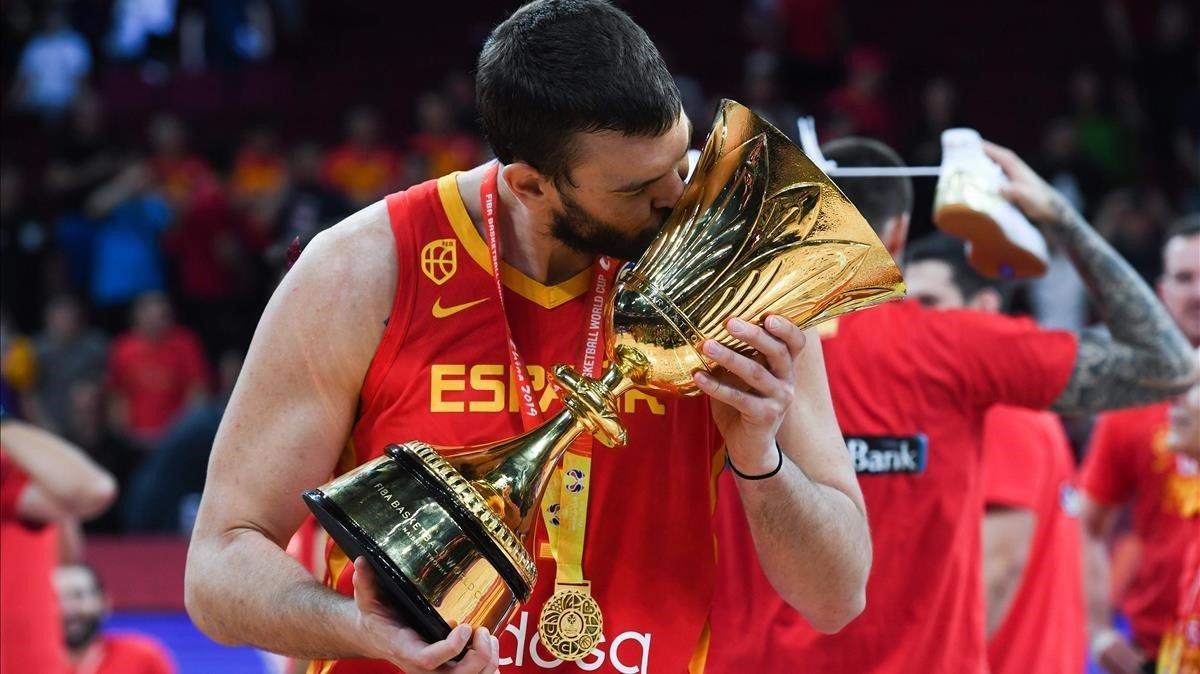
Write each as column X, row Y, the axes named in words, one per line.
column 758, row 230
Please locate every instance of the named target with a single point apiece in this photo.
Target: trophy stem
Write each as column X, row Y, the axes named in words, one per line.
column 512, row 475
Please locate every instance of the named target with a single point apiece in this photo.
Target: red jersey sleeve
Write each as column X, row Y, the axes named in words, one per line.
column 13, row 481
column 1012, row 361
column 1107, row 473
column 1013, row 473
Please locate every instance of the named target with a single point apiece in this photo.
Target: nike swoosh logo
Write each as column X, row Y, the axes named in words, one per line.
column 442, row 312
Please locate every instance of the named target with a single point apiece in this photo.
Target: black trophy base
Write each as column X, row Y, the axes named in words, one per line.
column 404, row 472
column 398, row 591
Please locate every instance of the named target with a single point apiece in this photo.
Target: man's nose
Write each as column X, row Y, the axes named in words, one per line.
column 667, row 191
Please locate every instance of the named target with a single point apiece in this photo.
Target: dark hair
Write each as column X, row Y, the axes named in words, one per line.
column 1188, row 225
column 942, row 248
column 557, row 67
column 878, row 198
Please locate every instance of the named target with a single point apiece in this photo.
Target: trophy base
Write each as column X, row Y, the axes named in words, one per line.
column 436, row 562
column 399, row 592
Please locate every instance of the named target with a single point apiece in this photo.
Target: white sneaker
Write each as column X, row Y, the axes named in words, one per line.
column 1001, row 242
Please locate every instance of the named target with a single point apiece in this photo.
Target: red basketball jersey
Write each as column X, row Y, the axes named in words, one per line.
column 441, row 375
column 910, row 387
column 1028, row 465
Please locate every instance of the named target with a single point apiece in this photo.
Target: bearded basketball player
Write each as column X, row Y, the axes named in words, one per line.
column 394, row 325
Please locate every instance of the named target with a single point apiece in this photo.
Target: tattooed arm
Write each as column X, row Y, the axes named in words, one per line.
column 1143, row 357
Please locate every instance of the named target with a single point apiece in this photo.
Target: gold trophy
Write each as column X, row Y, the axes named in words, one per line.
column 759, row 230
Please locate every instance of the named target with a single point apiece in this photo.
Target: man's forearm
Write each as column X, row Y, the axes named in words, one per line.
column 1007, row 535
column 245, row 590
column 813, row 543
column 1146, row 358
column 63, row 471
column 1096, row 585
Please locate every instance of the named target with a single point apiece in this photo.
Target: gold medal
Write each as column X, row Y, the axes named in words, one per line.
column 571, row 623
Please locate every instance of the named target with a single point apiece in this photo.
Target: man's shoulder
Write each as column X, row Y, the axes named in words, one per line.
column 344, row 280
column 1009, row 416
column 888, row 324
column 955, row 331
column 364, row 243
column 360, row 246
column 135, row 648
column 909, row 313
column 867, row 320
column 1135, row 420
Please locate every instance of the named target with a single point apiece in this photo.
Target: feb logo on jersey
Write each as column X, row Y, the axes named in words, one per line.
column 439, row 260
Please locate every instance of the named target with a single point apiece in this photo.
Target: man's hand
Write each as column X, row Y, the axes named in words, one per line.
column 808, row 521
column 1035, row 197
column 1115, row 655
column 401, row 646
column 1144, row 357
column 749, row 411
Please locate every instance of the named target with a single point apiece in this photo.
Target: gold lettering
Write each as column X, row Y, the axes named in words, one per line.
column 493, row 385
column 481, row 380
column 632, row 397
column 441, row 382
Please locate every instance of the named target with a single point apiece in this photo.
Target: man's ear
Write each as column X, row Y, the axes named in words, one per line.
column 987, row 300
column 534, row 190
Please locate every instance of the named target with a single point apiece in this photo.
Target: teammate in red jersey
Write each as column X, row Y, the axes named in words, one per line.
column 1032, row 562
column 43, row 481
column 587, row 125
column 910, row 387
column 1180, row 649
column 1129, row 461
column 83, row 604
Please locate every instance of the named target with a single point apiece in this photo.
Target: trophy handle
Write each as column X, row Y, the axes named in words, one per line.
column 594, row 401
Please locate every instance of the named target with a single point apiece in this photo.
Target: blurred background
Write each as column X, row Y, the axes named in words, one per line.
column 160, row 157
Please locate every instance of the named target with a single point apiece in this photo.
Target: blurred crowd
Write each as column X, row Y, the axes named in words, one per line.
column 137, row 261
column 109, row 244
column 134, row 273
column 135, row 268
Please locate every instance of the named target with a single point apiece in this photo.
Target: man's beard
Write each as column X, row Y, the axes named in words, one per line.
column 80, row 631
column 586, row 233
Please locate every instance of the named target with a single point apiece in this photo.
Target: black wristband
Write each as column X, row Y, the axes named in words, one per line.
column 757, row 477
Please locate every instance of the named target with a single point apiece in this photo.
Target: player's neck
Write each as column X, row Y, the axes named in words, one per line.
column 525, row 240
column 91, row 652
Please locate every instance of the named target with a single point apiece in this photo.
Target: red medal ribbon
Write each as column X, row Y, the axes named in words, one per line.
column 603, row 272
